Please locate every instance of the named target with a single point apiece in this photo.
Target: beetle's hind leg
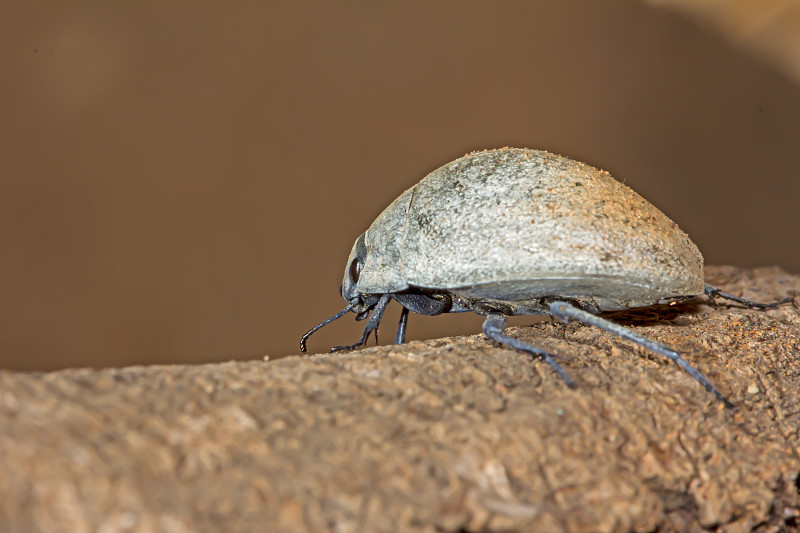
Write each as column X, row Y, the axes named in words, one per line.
column 566, row 312
column 713, row 292
column 400, row 336
column 373, row 322
column 493, row 328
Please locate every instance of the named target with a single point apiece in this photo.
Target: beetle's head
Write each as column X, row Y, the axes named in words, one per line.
column 361, row 302
column 357, row 302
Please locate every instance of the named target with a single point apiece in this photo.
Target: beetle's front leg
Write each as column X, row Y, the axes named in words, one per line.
column 372, row 325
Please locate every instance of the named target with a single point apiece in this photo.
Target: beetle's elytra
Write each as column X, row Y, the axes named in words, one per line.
column 515, row 231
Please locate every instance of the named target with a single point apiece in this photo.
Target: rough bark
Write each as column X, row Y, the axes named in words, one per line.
column 446, row 435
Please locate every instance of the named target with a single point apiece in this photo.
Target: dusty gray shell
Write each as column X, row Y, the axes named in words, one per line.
column 515, row 225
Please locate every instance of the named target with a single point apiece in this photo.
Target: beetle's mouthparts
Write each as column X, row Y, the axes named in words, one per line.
column 338, row 315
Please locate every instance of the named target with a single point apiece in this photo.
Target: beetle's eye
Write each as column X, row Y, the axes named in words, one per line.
column 355, row 269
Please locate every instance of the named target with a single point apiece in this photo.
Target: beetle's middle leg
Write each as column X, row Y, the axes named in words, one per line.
column 400, row 336
column 372, row 325
column 566, row 312
column 493, row 328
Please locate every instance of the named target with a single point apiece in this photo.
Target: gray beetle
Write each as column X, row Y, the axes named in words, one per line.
column 515, row 231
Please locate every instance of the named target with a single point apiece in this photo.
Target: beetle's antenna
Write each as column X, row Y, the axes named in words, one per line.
column 712, row 291
column 338, row 315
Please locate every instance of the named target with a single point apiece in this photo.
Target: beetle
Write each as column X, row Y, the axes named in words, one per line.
column 516, row 231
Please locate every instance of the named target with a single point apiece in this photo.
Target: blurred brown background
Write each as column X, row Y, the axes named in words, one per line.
column 183, row 182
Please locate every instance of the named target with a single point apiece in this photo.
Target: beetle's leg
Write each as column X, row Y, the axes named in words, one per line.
column 372, row 325
column 712, row 292
column 400, row 336
column 566, row 312
column 493, row 328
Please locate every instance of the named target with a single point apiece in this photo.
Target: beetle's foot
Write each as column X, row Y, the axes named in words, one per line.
column 346, row 348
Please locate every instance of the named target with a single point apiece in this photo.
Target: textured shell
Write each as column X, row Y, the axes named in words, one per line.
column 517, row 224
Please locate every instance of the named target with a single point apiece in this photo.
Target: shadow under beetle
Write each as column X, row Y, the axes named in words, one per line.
column 516, row 231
